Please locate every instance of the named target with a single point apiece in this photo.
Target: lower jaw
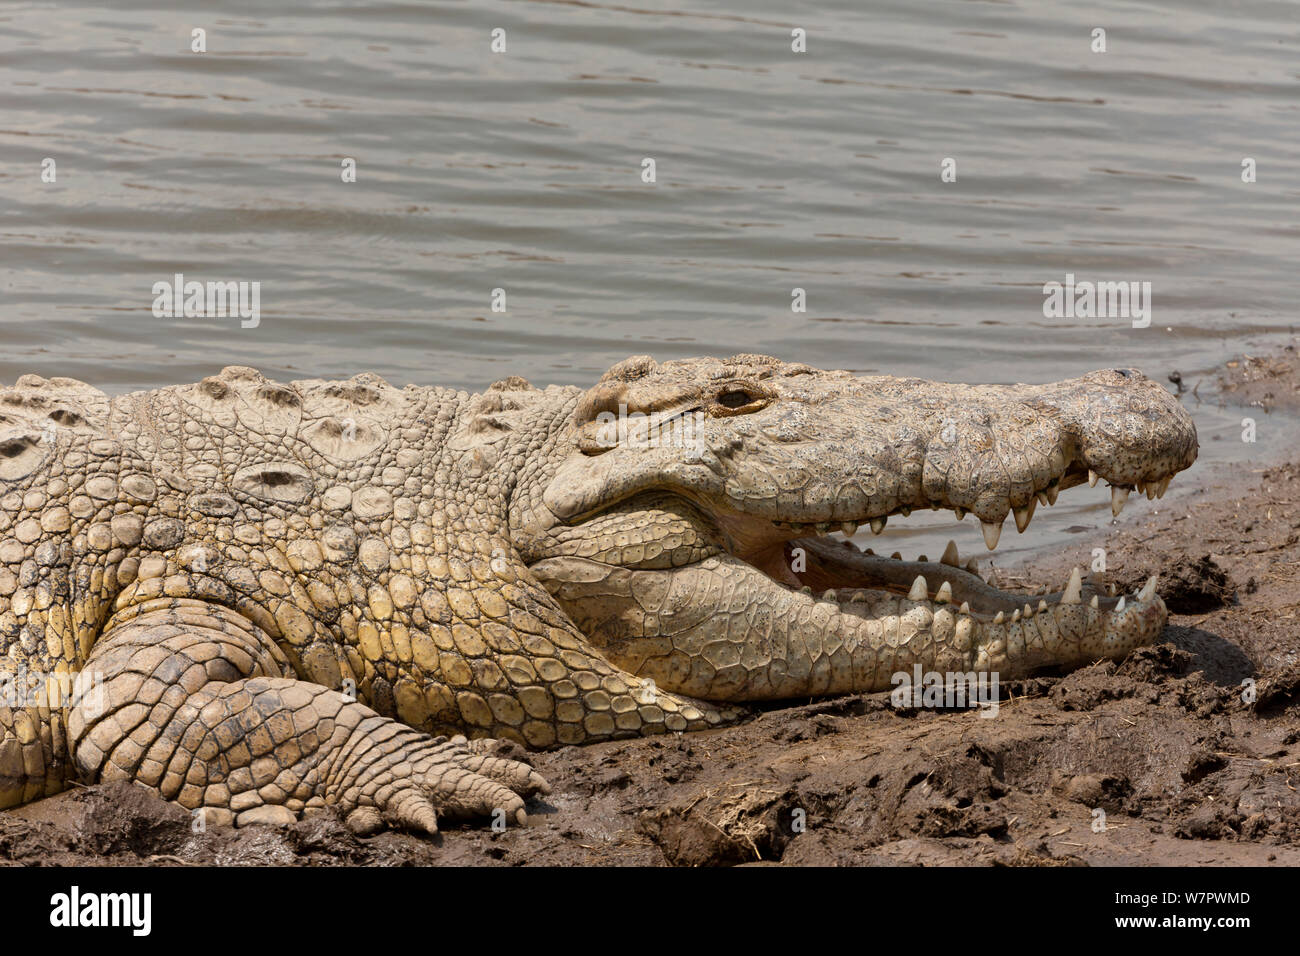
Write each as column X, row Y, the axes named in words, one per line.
column 725, row 631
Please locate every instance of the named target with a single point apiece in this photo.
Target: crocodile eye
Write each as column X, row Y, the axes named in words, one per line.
column 735, row 398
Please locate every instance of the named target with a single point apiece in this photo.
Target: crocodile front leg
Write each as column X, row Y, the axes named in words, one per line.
column 196, row 703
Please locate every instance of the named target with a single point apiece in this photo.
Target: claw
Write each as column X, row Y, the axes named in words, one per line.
column 364, row 821
column 414, row 812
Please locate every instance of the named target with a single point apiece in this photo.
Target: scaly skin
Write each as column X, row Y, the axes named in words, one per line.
column 283, row 597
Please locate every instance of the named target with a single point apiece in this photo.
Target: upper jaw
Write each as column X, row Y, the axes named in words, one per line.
column 749, row 534
column 872, row 448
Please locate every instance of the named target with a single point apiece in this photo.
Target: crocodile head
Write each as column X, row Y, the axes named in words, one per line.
column 685, row 523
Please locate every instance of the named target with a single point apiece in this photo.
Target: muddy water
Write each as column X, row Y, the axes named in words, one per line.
column 774, row 170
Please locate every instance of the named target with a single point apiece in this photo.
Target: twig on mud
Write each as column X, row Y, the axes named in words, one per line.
column 1226, row 753
column 691, row 806
column 748, row 838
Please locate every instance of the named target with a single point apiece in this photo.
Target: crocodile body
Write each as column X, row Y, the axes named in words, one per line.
column 263, row 599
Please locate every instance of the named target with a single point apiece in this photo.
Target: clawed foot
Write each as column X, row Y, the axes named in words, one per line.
column 431, row 778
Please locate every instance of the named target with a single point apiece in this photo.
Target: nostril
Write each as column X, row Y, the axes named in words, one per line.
column 1123, row 372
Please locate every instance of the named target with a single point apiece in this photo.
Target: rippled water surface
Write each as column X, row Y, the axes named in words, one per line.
column 522, row 171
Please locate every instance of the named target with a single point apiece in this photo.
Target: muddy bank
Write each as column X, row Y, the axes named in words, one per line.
column 1165, row 758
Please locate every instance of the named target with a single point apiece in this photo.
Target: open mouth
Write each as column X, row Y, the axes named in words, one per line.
column 803, row 556
column 836, row 570
column 793, row 591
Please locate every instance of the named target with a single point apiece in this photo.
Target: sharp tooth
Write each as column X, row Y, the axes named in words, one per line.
column 829, row 594
column 973, row 566
column 1149, row 490
column 1023, row 515
column 1042, row 498
column 1015, row 615
column 1052, row 492
column 1119, row 605
column 850, row 528
column 877, row 525
column 960, row 513
column 869, row 551
column 1118, row 495
column 919, row 591
column 1163, row 486
column 998, row 618
column 806, row 589
column 905, row 512
column 859, row 596
column 897, row 556
column 1148, row 589
column 950, row 555
column 1095, row 603
column 965, row 607
column 1110, row 589
column 921, row 559
column 944, row 596
column 1042, row 607
column 991, row 534
column 1092, row 478
column 1073, row 590
column 1027, row 612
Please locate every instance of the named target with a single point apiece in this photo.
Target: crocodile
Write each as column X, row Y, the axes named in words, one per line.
column 265, row 600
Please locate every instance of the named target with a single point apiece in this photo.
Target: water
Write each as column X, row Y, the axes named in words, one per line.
column 522, row 171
